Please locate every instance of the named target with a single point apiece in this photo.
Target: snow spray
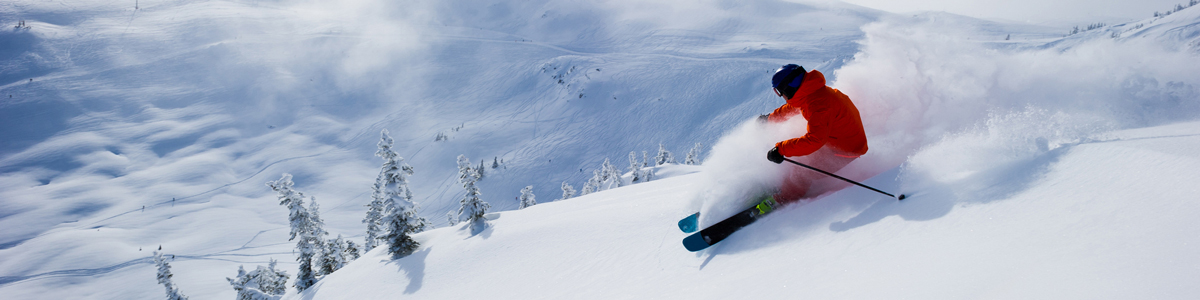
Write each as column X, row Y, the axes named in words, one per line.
column 737, row 171
column 948, row 107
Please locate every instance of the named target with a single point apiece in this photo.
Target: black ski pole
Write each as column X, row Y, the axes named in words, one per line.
column 843, row 178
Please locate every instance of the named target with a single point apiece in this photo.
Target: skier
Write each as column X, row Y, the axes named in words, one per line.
column 834, row 135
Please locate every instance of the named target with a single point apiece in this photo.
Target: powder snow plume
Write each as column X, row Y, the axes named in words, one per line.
column 949, row 107
column 737, row 170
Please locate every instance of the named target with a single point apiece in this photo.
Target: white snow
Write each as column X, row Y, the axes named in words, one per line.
column 1037, row 166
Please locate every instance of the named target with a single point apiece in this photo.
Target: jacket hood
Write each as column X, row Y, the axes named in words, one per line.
column 813, row 81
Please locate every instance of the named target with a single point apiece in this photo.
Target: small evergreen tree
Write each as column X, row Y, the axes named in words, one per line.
column 568, row 191
column 527, row 198
column 391, row 215
column 271, row 280
column 240, row 283
column 593, row 184
column 610, row 178
column 635, row 168
column 333, row 256
column 645, row 159
column 164, row 277
column 402, row 223
column 473, row 208
column 647, row 173
column 398, row 212
column 318, row 236
column 480, row 170
column 374, row 219
column 663, row 157
column 393, row 169
column 352, row 251
column 304, row 226
column 264, row 283
column 693, row 156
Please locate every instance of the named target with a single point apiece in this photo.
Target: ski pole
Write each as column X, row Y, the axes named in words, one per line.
column 843, row 178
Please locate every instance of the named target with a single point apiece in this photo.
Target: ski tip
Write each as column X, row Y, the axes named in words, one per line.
column 690, row 224
column 695, row 243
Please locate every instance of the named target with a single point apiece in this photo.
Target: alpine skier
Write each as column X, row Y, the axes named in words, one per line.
column 834, row 135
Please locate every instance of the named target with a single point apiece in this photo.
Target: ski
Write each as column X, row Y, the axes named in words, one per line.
column 717, row 232
column 690, row 223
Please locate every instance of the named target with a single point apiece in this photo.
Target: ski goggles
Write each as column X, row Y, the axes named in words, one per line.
column 777, row 93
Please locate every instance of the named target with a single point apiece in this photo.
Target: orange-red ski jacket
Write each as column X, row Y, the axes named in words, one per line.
column 832, row 119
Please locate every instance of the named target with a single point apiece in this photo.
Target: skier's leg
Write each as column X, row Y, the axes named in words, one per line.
column 831, row 163
column 795, row 185
column 799, row 180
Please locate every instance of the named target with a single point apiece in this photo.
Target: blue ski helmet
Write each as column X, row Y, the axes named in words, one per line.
column 787, row 80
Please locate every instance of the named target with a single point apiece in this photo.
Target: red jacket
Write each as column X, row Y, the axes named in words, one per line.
column 832, row 119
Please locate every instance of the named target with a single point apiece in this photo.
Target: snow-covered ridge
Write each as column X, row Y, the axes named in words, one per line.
column 159, row 126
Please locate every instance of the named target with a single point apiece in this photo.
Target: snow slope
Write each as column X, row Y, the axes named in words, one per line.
column 159, row 126
column 1094, row 220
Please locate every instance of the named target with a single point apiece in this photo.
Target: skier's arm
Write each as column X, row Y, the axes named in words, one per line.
column 817, row 136
column 783, row 113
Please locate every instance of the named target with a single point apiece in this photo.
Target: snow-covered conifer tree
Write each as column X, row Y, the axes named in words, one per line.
column 603, row 178
column 303, row 226
column 239, row 284
column 663, row 157
column 568, row 191
column 318, row 234
column 352, row 251
column 635, row 168
column 647, row 173
column 264, row 283
column 393, row 167
column 333, row 256
column 610, row 178
column 473, row 208
column 593, row 184
column 401, row 223
column 645, row 159
column 271, row 280
column 164, row 277
column 398, row 212
column 373, row 218
column 693, row 156
column 480, row 169
column 527, row 198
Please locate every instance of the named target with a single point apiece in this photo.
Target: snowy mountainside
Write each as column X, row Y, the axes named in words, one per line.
column 1097, row 219
column 159, row 125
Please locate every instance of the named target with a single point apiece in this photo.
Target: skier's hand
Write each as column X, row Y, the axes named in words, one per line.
column 774, row 156
column 762, row 119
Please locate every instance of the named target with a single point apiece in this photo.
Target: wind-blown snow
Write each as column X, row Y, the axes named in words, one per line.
column 1037, row 167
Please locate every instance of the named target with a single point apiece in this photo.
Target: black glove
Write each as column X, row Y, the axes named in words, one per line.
column 774, row 156
column 762, row 119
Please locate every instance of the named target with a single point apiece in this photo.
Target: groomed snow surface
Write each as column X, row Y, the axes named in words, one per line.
column 1037, row 164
